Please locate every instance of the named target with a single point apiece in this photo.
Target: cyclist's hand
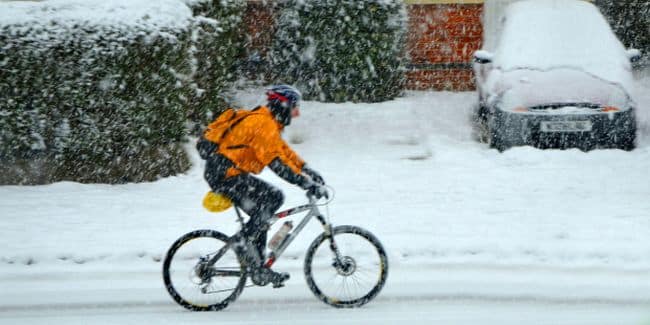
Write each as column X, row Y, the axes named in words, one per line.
column 314, row 175
column 317, row 191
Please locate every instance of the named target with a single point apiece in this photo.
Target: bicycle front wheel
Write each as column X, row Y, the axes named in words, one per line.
column 349, row 273
column 196, row 279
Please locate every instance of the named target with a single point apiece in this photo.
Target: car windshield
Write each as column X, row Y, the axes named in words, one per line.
column 546, row 34
column 560, row 88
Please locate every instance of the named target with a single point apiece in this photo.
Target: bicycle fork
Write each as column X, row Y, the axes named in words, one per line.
column 344, row 265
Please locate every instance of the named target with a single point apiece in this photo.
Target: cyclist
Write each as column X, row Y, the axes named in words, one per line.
column 249, row 143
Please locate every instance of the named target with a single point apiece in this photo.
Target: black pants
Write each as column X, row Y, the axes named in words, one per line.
column 259, row 199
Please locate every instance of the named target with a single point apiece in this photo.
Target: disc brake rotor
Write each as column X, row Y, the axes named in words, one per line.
column 346, row 266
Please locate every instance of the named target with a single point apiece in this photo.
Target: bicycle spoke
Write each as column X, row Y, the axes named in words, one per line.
column 201, row 273
column 353, row 278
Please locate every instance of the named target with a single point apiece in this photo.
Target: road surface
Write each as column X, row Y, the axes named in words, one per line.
column 414, row 294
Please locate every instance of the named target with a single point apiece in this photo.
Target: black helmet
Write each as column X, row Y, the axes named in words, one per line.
column 283, row 99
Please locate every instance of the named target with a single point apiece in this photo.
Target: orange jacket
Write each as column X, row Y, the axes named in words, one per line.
column 253, row 143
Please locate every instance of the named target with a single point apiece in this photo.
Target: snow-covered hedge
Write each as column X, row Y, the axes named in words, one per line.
column 218, row 44
column 99, row 91
column 631, row 22
column 341, row 50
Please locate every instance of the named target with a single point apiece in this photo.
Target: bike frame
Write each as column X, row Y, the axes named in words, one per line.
column 313, row 211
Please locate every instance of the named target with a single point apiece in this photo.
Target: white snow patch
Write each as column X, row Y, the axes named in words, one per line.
column 547, row 34
column 126, row 13
column 408, row 170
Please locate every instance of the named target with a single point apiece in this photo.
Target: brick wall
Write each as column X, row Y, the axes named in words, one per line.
column 442, row 38
column 260, row 27
column 260, row 22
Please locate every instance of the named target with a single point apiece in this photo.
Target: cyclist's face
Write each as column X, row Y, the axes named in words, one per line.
column 295, row 111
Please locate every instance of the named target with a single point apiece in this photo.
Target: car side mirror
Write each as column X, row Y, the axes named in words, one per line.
column 483, row 57
column 633, row 54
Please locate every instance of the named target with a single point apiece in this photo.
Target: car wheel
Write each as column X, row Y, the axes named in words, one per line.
column 495, row 141
column 495, row 137
column 626, row 142
column 626, row 139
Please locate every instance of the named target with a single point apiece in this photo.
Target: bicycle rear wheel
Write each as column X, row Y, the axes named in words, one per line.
column 353, row 278
column 193, row 282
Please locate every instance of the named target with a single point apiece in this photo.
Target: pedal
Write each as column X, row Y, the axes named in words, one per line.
column 259, row 279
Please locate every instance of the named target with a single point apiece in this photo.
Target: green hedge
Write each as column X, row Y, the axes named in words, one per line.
column 341, row 50
column 93, row 102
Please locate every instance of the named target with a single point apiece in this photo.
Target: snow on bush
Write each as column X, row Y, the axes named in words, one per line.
column 631, row 22
column 341, row 50
column 97, row 91
column 217, row 45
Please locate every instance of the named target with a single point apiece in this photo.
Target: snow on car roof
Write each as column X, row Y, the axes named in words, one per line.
column 545, row 34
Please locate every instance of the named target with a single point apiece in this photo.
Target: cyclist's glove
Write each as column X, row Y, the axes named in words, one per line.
column 317, row 191
column 314, row 175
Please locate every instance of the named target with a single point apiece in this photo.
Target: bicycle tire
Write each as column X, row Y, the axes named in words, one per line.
column 201, row 301
column 345, row 299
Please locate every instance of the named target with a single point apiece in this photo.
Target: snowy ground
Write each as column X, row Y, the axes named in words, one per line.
column 473, row 236
column 414, row 295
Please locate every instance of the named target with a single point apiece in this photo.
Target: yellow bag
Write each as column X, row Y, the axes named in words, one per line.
column 215, row 202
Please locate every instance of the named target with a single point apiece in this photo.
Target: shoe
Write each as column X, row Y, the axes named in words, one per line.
column 263, row 276
column 279, row 278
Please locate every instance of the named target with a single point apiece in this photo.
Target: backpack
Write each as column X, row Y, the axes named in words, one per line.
column 219, row 129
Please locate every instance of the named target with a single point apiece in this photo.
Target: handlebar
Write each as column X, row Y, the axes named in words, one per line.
column 330, row 193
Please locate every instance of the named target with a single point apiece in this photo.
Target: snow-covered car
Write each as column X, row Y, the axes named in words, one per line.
column 558, row 77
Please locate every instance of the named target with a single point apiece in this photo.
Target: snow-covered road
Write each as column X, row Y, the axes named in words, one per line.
column 473, row 236
column 443, row 294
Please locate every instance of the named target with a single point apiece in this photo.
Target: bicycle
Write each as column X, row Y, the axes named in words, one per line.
column 353, row 260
